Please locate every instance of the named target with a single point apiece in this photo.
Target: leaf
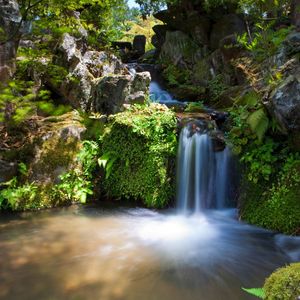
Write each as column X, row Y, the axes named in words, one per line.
column 259, row 123
column 109, row 166
column 258, row 292
column 102, row 161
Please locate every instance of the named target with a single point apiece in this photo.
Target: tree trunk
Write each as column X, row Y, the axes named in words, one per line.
column 10, row 19
column 295, row 13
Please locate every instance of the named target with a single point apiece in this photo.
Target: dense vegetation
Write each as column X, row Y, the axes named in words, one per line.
column 138, row 152
column 58, row 156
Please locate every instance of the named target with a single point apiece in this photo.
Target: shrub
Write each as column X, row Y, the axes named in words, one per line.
column 283, row 284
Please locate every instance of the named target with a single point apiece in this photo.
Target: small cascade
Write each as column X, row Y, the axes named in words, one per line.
column 203, row 177
column 157, row 94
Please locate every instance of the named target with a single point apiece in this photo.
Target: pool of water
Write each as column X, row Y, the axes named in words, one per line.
column 137, row 254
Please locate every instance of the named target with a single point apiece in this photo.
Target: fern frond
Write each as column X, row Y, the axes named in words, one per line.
column 259, row 123
column 258, row 292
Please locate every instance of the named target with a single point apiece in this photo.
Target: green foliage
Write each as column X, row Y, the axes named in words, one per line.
column 266, row 40
column 260, row 160
column 259, row 123
column 15, row 197
column 217, row 86
column 74, row 186
column 176, row 76
column 194, row 107
column 283, row 284
column 276, row 206
column 138, row 151
column 258, row 292
column 77, row 184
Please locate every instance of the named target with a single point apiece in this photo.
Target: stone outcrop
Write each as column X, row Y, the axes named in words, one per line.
column 110, row 93
column 95, row 81
column 10, row 19
column 7, row 170
column 139, row 44
column 55, row 148
column 200, row 45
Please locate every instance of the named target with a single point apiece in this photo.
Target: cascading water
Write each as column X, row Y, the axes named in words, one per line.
column 157, row 94
column 202, row 174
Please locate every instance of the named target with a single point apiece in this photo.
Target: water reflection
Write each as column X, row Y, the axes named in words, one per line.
column 92, row 253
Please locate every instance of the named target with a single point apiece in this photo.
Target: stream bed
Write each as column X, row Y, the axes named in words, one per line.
column 107, row 253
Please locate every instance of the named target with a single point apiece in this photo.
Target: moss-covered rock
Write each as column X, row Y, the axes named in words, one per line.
column 49, row 152
column 276, row 205
column 283, row 284
column 139, row 150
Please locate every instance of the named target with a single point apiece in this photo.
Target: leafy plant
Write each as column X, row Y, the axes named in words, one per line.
column 14, row 196
column 265, row 41
column 258, row 292
column 259, row 123
column 138, row 151
column 194, row 107
column 217, row 86
column 77, row 184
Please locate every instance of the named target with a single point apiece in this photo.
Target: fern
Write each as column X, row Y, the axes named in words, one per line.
column 259, row 123
column 258, row 292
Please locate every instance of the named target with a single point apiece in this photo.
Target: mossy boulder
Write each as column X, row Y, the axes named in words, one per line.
column 283, row 284
column 49, row 152
column 274, row 205
column 55, row 148
column 139, row 149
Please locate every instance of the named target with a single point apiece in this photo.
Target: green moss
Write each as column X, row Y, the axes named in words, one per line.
column 55, row 153
column 274, row 206
column 140, row 148
column 283, row 284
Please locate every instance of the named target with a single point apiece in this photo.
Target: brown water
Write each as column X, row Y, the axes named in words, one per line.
column 136, row 254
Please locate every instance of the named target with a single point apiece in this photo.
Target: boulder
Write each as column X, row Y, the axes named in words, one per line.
column 139, row 44
column 225, row 26
column 200, row 32
column 120, row 45
column 284, row 106
column 292, row 43
column 112, row 92
column 158, row 39
column 7, row 170
column 94, row 80
column 179, row 49
column 10, row 19
column 55, row 148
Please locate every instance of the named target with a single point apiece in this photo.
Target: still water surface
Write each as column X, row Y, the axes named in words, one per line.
column 135, row 254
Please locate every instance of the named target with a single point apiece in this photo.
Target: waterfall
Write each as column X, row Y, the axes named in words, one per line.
column 157, row 94
column 203, row 177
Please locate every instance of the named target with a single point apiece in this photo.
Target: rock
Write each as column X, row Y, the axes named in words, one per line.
column 149, row 56
column 284, row 106
column 55, row 148
column 292, row 43
column 97, row 63
column 122, row 45
column 94, row 80
column 7, row 170
column 10, row 18
column 139, row 44
column 227, row 25
column 160, row 35
column 77, row 86
column 179, row 49
column 67, row 53
column 201, row 30
column 112, row 92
